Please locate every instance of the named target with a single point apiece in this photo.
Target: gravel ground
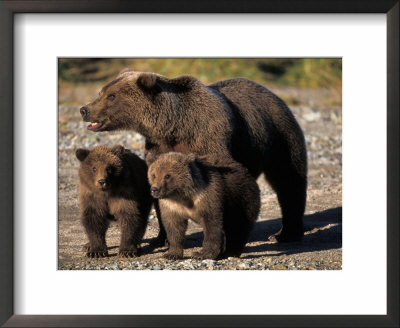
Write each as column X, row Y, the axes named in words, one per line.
column 321, row 248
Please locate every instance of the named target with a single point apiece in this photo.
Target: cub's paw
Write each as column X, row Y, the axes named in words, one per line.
column 129, row 252
column 172, row 256
column 96, row 253
column 204, row 255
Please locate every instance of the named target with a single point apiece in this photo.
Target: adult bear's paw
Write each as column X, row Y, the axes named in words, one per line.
column 159, row 241
column 285, row 236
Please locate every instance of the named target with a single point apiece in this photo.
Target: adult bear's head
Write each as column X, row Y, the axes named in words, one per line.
column 135, row 100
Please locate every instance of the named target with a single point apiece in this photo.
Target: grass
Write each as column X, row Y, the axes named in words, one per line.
column 88, row 75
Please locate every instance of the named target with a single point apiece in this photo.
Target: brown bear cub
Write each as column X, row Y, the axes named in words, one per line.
column 113, row 186
column 221, row 196
column 235, row 118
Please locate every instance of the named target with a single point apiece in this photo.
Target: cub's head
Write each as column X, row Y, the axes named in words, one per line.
column 132, row 101
column 172, row 174
column 100, row 167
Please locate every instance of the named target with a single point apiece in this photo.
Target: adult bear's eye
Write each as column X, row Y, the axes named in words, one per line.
column 94, row 169
column 111, row 97
column 110, row 170
column 167, row 176
column 153, row 176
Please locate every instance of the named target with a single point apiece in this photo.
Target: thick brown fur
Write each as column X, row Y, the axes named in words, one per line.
column 221, row 196
column 234, row 118
column 113, row 186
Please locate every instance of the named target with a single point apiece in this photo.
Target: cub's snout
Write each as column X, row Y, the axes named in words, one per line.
column 155, row 192
column 104, row 184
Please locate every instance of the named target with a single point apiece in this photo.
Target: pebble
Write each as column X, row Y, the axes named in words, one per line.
column 309, row 115
column 244, row 265
column 209, row 263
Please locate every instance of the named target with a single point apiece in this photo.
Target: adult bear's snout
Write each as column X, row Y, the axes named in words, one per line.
column 84, row 111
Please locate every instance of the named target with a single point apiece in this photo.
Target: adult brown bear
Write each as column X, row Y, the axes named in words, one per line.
column 237, row 118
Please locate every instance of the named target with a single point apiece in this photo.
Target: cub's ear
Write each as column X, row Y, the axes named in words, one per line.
column 191, row 158
column 125, row 70
column 81, row 154
column 147, row 80
column 118, row 150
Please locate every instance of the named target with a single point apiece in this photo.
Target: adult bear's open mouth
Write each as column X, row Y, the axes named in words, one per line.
column 94, row 126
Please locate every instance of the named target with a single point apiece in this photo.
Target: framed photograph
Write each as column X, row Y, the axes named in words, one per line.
column 335, row 66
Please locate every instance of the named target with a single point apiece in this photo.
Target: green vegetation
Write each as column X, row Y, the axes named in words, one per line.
column 299, row 73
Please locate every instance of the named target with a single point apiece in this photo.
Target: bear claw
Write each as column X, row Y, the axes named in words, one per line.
column 129, row 253
column 97, row 254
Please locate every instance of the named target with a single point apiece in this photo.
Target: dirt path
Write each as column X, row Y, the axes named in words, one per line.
column 321, row 247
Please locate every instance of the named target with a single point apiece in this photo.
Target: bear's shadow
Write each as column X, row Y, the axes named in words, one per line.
column 323, row 231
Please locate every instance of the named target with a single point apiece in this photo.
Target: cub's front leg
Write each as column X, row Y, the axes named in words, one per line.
column 214, row 237
column 133, row 226
column 175, row 226
column 96, row 225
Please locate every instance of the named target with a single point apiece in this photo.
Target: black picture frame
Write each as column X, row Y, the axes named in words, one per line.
column 7, row 11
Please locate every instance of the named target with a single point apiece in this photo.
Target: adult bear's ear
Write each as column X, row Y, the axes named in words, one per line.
column 183, row 82
column 125, row 70
column 147, row 80
column 118, row 150
column 81, row 154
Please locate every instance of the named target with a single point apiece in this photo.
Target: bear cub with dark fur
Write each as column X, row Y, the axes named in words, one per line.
column 220, row 195
column 113, row 186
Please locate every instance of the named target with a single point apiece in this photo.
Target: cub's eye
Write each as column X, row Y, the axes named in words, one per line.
column 153, row 176
column 94, row 169
column 111, row 97
column 167, row 176
column 110, row 170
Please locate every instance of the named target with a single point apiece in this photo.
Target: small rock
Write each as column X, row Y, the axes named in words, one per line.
column 279, row 267
column 310, row 116
column 244, row 266
column 208, row 263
